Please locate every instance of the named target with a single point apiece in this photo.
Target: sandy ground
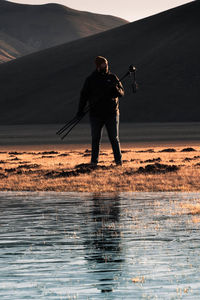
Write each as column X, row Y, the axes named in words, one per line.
column 156, row 157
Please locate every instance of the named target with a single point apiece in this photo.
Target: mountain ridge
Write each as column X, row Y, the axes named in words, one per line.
column 164, row 48
column 37, row 27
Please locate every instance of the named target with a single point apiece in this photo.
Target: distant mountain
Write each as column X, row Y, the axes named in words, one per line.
column 11, row 48
column 30, row 28
column 44, row 87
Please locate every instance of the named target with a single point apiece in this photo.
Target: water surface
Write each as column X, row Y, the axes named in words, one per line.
column 139, row 133
column 110, row 246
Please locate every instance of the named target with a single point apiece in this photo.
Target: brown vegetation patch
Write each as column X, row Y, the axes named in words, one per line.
column 188, row 150
column 19, row 169
column 158, row 168
column 168, row 150
column 3, row 175
column 48, row 152
column 32, row 153
column 16, row 153
column 188, row 159
column 135, row 160
column 125, row 151
column 10, row 170
column 13, row 159
column 32, row 166
column 38, row 173
column 153, row 160
column 79, row 169
column 191, row 158
column 88, row 151
column 146, row 151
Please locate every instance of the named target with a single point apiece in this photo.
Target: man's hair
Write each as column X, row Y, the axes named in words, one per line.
column 100, row 60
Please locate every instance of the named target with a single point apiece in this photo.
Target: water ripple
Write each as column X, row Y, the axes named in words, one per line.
column 110, row 246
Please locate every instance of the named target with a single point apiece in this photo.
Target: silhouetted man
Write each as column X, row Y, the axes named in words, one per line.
column 102, row 90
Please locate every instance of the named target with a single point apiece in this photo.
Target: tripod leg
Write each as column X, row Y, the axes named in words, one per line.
column 134, row 85
column 60, row 131
column 73, row 125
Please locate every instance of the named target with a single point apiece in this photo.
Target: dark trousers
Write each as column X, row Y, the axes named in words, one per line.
column 112, row 127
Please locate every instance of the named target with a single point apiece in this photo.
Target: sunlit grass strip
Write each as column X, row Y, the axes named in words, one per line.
column 26, row 171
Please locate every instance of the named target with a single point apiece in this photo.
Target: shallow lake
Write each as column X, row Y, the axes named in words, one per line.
column 136, row 133
column 89, row 246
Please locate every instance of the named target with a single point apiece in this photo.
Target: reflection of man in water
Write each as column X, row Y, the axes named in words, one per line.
column 103, row 247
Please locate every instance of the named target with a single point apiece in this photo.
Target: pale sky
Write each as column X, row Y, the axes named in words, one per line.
column 130, row 10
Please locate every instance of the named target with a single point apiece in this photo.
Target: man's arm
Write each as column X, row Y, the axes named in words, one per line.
column 120, row 88
column 84, row 95
column 117, row 89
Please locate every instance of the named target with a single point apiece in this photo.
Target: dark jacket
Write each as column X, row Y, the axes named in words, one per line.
column 101, row 92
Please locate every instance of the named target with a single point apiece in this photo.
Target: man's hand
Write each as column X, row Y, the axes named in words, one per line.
column 116, row 91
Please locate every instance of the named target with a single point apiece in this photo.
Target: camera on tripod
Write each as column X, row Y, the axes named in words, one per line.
column 132, row 68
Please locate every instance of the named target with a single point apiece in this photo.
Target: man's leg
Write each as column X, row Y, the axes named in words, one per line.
column 112, row 126
column 96, row 132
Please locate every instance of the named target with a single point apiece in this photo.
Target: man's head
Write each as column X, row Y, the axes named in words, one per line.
column 101, row 64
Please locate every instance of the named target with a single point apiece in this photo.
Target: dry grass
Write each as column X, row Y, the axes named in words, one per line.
column 26, row 171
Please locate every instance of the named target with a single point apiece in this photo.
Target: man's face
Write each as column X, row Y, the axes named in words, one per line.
column 103, row 68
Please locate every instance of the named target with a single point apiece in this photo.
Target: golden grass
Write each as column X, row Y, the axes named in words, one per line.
column 27, row 177
column 193, row 209
column 138, row 280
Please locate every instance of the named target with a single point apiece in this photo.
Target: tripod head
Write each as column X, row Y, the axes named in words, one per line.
column 132, row 69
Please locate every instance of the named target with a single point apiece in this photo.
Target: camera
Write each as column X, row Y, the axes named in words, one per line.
column 132, row 68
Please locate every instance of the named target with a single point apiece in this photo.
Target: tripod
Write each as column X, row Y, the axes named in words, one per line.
column 72, row 123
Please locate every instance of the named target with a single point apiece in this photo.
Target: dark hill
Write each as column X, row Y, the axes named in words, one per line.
column 44, row 87
column 11, row 48
column 29, row 28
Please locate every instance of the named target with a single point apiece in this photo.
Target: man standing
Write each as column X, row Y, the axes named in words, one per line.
column 102, row 90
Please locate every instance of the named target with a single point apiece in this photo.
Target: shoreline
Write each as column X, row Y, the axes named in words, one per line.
column 131, row 134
